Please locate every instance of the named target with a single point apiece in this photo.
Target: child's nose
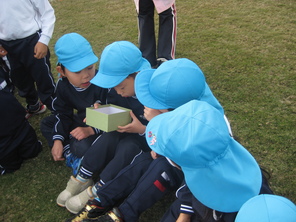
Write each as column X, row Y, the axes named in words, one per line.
column 86, row 75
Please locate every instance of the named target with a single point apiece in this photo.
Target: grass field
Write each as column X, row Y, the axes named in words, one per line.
column 247, row 50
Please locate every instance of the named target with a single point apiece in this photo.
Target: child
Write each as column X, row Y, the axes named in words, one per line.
column 25, row 31
column 221, row 173
column 76, row 64
column 18, row 140
column 153, row 176
column 267, row 208
column 120, row 61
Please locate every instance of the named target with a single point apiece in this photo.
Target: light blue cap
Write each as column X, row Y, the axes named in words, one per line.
column 74, row 52
column 173, row 84
column 219, row 171
column 267, row 208
column 118, row 60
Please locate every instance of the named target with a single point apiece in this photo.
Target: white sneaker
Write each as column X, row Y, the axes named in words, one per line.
column 73, row 188
column 76, row 203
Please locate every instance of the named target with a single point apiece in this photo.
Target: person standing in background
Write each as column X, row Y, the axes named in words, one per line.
column 26, row 28
column 166, row 34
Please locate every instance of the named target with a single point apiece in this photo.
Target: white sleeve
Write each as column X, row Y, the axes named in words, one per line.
column 47, row 19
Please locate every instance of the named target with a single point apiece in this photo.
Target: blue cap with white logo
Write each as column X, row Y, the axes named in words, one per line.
column 218, row 170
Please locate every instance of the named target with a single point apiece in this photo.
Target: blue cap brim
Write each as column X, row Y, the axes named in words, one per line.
column 107, row 80
column 142, row 90
column 227, row 184
column 81, row 63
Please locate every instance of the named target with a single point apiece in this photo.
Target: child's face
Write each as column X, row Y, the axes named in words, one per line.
column 81, row 78
column 126, row 87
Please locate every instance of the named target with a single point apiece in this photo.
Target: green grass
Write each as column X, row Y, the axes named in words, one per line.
column 247, row 51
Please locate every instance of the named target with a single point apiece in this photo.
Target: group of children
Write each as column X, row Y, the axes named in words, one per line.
column 179, row 138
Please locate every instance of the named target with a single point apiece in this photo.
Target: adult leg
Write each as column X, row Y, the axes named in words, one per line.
column 167, row 33
column 147, row 42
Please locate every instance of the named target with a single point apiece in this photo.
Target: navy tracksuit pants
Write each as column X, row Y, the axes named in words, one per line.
column 111, row 152
column 166, row 35
column 141, row 184
column 26, row 70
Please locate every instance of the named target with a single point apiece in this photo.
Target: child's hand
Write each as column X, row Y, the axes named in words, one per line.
column 150, row 113
column 81, row 133
column 40, row 50
column 96, row 105
column 154, row 155
column 183, row 218
column 134, row 127
column 57, row 151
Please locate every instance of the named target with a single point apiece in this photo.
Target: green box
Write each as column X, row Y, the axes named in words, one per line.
column 107, row 117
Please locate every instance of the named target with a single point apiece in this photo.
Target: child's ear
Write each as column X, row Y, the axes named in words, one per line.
column 60, row 70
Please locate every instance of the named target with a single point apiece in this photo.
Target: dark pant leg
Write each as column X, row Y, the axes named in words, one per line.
column 18, row 147
column 19, row 74
column 147, row 42
column 173, row 212
column 46, row 128
column 158, row 180
column 125, row 181
column 80, row 147
column 126, row 150
column 26, row 70
column 167, row 33
column 100, row 153
column 40, row 70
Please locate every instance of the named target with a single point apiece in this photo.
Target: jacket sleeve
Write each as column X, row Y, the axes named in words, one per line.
column 47, row 18
column 63, row 114
column 185, row 196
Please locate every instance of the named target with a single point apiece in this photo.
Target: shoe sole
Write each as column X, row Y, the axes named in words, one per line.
column 61, row 205
column 42, row 110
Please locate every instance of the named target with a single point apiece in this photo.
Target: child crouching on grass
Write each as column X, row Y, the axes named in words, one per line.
column 220, row 173
column 67, row 135
column 18, row 140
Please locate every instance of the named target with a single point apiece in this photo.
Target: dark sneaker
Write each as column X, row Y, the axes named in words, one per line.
column 36, row 109
column 112, row 216
column 92, row 210
column 159, row 61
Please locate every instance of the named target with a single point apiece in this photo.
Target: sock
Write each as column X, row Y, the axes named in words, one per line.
column 95, row 189
column 82, row 179
column 84, row 174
